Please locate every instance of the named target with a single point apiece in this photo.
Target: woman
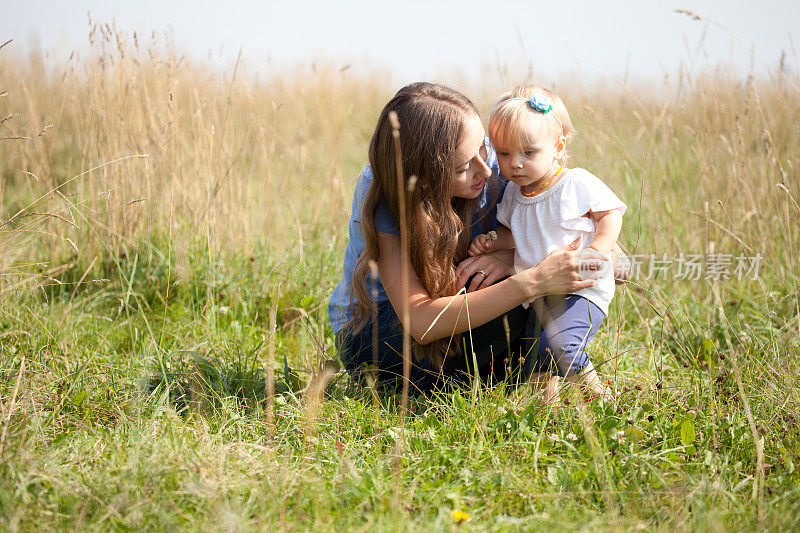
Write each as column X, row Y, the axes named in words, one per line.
column 442, row 142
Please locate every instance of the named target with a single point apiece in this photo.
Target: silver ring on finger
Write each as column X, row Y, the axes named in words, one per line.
column 481, row 272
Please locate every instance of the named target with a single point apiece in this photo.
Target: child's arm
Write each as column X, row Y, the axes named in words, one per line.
column 482, row 244
column 609, row 224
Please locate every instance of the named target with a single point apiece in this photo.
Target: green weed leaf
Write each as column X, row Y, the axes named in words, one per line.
column 687, row 431
column 79, row 398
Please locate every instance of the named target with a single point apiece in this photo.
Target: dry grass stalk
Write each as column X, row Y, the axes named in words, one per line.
column 270, row 374
column 401, row 195
column 11, row 404
column 314, row 397
column 373, row 373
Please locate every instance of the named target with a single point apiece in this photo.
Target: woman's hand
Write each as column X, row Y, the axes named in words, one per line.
column 484, row 269
column 557, row 273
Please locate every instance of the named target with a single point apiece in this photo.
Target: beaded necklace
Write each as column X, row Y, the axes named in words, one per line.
column 540, row 189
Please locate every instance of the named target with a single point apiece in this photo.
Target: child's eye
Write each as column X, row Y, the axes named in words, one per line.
column 529, row 153
column 502, row 154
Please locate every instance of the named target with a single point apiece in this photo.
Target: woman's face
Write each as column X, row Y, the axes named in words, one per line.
column 471, row 168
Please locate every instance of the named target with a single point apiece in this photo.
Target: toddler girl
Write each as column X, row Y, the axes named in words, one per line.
column 547, row 206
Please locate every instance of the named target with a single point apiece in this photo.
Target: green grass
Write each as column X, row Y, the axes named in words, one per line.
column 150, row 414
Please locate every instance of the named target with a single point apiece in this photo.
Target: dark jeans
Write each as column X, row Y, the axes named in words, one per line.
column 495, row 351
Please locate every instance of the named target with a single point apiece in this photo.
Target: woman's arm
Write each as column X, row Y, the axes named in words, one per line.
column 436, row 318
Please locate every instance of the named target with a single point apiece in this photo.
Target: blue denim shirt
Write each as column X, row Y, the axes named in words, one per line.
column 339, row 310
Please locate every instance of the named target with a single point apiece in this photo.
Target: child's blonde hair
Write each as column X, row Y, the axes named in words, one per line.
column 505, row 124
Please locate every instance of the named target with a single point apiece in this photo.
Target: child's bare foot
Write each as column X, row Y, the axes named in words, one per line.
column 552, row 393
column 597, row 392
column 591, row 386
column 549, row 383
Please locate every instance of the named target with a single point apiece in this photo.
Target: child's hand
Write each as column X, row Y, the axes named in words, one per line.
column 482, row 244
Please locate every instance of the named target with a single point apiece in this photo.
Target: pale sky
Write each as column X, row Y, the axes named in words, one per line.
column 415, row 39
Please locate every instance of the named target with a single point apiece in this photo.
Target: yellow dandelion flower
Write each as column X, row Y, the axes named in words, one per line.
column 461, row 516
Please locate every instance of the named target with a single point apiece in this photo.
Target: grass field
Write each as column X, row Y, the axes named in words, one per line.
column 170, row 235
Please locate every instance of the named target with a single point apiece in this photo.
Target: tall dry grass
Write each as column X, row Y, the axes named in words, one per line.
column 190, row 155
column 222, row 159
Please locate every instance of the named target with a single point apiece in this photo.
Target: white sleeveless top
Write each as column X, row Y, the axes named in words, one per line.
column 555, row 218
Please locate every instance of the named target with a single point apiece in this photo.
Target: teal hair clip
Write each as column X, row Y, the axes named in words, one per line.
column 540, row 104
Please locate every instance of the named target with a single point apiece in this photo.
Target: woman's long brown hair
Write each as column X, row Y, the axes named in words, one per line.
column 432, row 120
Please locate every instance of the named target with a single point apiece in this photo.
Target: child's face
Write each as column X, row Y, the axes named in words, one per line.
column 528, row 163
